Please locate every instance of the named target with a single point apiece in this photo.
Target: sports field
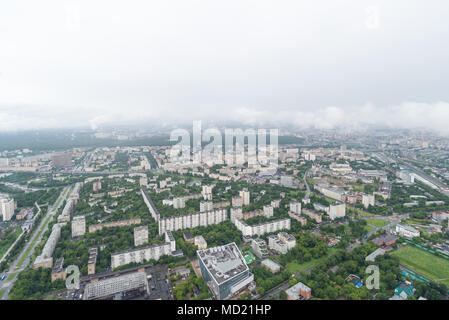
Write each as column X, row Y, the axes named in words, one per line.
column 249, row 257
column 425, row 263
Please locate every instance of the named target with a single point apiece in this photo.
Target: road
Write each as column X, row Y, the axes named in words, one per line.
column 307, row 185
column 30, row 246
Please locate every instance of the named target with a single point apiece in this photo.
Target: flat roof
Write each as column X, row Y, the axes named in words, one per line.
column 59, row 266
column 406, row 227
column 112, row 286
column 224, row 262
column 270, row 264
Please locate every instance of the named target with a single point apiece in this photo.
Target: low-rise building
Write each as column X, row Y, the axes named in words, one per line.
column 440, row 216
column 407, row 231
column 182, row 271
column 404, row 290
column 58, row 271
column 200, row 242
column 299, row 292
column 188, row 237
column 376, row 253
column 386, row 240
column 111, row 287
column 259, row 248
column 313, row 215
column 297, row 217
column 272, row 266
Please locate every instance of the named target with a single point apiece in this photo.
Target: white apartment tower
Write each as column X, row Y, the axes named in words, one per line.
column 268, row 211
column 295, row 207
column 206, row 206
column 78, row 226
column 7, row 209
column 179, row 203
column 245, row 195
column 140, row 235
column 207, row 192
column 96, row 186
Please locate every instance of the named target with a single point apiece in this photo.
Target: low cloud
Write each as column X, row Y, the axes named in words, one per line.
column 407, row 115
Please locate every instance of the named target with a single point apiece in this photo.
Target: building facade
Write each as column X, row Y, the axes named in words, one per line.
column 140, row 235
column 78, row 226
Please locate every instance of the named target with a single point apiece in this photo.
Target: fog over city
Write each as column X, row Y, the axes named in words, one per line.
column 320, row 64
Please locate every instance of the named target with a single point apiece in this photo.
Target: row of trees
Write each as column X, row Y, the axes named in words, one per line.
column 215, row 235
column 330, row 284
column 266, row 280
column 34, row 284
column 307, row 247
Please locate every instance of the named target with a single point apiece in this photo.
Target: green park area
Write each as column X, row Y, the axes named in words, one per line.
column 359, row 212
column 424, row 263
column 377, row 222
column 7, row 241
column 295, row 267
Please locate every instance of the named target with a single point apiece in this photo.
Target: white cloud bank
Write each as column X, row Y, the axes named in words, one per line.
column 408, row 115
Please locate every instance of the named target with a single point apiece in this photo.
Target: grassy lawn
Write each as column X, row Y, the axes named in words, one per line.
column 377, row 222
column 2, row 292
column 295, row 267
column 427, row 264
column 361, row 212
column 11, row 276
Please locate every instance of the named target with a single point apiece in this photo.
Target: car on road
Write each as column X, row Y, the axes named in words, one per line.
column 3, row 277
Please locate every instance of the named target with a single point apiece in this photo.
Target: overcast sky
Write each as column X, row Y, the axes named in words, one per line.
column 322, row 63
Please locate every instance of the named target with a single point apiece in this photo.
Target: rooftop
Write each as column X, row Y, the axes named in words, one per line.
column 223, row 262
column 59, row 266
column 112, row 286
column 93, row 252
column 271, row 264
column 406, row 227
